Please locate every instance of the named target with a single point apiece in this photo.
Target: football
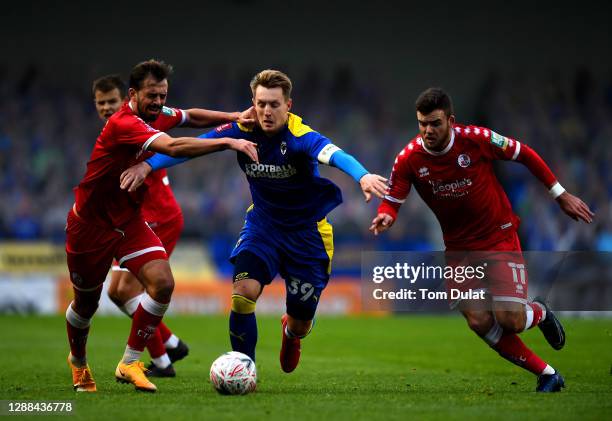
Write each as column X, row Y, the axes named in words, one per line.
column 233, row 373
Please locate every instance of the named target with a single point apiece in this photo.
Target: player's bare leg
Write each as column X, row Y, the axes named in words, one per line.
column 165, row 348
column 510, row 315
column 78, row 318
column 157, row 278
column 124, row 287
column 242, row 321
column 297, row 327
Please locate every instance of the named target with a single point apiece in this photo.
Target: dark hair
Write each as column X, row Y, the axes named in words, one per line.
column 108, row 83
column 434, row 99
column 154, row 68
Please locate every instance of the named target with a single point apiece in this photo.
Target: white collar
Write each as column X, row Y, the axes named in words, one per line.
column 445, row 150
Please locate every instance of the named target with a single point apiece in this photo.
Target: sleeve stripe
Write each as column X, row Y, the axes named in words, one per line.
column 184, row 117
column 326, row 153
column 393, row 199
column 151, row 139
column 517, row 150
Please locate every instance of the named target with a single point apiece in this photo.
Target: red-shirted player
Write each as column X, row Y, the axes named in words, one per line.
column 450, row 165
column 106, row 222
column 162, row 213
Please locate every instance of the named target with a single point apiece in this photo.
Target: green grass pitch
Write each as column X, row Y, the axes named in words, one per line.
column 409, row 367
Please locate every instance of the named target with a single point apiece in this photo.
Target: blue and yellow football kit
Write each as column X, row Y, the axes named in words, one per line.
column 286, row 226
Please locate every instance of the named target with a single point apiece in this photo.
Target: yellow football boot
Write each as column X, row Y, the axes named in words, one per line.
column 134, row 373
column 82, row 379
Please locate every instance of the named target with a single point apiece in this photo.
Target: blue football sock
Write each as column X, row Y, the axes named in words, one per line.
column 243, row 333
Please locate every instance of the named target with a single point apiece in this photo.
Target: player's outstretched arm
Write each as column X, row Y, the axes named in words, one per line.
column 381, row 222
column 575, row 208
column 370, row 183
column 182, row 147
column 202, row 118
column 178, row 147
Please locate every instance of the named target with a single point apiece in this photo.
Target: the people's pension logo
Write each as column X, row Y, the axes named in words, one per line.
column 453, row 188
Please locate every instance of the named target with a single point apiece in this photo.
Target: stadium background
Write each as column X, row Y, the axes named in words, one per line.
column 538, row 72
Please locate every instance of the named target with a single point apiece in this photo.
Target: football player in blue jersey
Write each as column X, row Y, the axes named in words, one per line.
column 286, row 230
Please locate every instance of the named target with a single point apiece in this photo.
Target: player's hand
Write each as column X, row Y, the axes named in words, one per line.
column 247, row 118
column 373, row 184
column 246, row 147
column 575, row 208
column 134, row 176
column 381, row 223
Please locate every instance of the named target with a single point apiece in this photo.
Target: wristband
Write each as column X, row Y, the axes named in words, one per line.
column 556, row 190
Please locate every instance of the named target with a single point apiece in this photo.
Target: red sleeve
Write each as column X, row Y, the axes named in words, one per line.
column 133, row 130
column 399, row 184
column 169, row 118
column 530, row 158
column 501, row 147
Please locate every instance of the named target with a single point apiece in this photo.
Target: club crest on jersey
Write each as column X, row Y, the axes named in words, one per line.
column 283, row 147
column 423, row 172
column 464, row 160
column 223, row 127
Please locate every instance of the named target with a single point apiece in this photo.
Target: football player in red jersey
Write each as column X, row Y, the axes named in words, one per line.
column 450, row 165
column 107, row 223
column 161, row 212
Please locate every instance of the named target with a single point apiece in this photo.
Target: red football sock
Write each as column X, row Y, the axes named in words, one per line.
column 514, row 350
column 534, row 314
column 78, row 329
column 78, row 340
column 145, row 321
column 155, row 344
column 164, row 332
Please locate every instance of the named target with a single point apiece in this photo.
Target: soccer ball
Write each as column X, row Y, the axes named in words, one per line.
column 233, row 373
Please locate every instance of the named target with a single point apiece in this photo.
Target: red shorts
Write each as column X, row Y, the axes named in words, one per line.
column 91, row 249
column 168, row 232
column 503, row 266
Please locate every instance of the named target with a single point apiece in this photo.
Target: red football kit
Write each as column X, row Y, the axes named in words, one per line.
column 460, row 187
column 107, row 221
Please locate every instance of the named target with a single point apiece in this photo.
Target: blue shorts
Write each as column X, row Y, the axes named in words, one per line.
column 303, row 258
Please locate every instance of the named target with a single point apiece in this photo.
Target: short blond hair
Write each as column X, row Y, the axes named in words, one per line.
column 272, row 79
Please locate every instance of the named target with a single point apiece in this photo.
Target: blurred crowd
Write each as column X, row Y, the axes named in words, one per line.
column 569, row 123
column 47, row 133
